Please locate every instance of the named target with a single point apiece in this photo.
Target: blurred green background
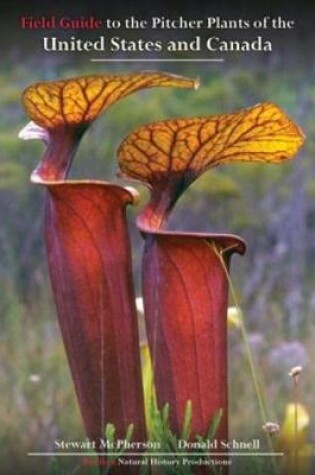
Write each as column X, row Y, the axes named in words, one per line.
column 272, row 207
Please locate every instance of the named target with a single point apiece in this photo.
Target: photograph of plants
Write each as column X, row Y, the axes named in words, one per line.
column 157, row 284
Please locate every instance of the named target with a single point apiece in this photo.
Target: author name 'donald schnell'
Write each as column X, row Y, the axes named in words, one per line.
column 123, row 444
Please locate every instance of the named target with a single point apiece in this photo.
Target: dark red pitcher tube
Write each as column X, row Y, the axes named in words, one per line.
column 185, row 290
column 90, row 268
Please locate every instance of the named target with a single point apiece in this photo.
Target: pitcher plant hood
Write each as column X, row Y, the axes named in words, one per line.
column 66, row 108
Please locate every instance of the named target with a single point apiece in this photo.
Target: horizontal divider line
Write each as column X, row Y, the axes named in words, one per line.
column 153, row 454
column 156, row 60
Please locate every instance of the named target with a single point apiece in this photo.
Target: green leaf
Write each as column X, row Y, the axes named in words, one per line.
column 215, row 423
column 110, row 432
column 129, row 432
column 187, row 420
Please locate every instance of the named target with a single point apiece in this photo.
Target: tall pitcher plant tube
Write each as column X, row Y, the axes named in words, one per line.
column 88, row 250
column 185, row 285
column 88, row 255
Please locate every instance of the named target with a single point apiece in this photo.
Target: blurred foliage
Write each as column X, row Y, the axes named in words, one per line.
column 272, row 207
column 292, row 440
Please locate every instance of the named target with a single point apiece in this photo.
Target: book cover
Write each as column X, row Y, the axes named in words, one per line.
column 157, row 238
